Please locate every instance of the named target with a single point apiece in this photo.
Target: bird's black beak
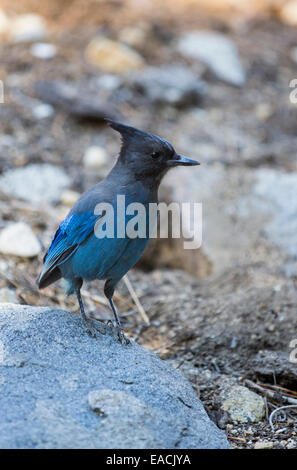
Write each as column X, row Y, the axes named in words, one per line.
column 181, row 160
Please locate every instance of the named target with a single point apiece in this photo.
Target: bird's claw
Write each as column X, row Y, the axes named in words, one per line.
column 124, row 340
column 89, row 328
column 109, row 328
column 118, row 334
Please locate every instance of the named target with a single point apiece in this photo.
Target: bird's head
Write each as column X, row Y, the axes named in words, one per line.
column 148, row 155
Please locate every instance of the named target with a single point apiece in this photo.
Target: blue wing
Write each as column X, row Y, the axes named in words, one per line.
column 70, row 234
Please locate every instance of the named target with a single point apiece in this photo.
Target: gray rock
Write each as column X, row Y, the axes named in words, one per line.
column 215, row 50
column 175, row 85
column 62, row 389
column 278, row 190
column 264, row 215
column 37, row 183
column 75, row 100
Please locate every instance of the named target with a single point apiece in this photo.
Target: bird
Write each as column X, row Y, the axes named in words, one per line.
column 76, row 254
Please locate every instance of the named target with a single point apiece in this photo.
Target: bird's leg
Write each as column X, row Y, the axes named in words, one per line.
column 86, row 321
column 123, row 339
column 108, row 291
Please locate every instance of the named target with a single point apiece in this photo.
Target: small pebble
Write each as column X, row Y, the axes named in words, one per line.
column 109, row 82
column 43, row 50
column 263, row 445
column 112, row 56
column 95, row 157
column 291, row 444
column 42, row 110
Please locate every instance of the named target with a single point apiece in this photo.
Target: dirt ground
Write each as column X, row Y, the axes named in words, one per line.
column 222, row 318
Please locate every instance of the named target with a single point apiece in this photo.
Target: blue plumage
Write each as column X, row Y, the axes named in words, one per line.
column 70, row 234
column 76, row 253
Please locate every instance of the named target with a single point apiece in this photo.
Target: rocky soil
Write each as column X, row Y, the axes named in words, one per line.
column 224, row 315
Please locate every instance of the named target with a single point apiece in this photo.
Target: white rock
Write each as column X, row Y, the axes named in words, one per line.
column 28, row 27
column 113, row 56
column 8, row 295
column 215, row 50
column 263, row 445
column 95, row 157
column 18, row 239
column 43, row 50
column 36, row 183
column 42, row 111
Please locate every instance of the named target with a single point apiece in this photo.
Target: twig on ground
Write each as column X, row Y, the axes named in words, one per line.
column 274, row 395
column 239, row 439
column 136, row 300
column 284, row 391
column 266, row 408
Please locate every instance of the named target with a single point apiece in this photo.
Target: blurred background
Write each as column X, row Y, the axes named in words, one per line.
column 214, row 77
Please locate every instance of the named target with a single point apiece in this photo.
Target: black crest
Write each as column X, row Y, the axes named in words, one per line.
column 127, row 132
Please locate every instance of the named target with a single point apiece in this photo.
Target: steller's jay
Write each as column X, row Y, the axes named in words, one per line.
column 76, row 253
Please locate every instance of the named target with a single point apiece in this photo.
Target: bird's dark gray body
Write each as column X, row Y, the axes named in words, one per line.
column 76, row 253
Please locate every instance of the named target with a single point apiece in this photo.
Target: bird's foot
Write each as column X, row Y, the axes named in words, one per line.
column 109, row 328
column 101, row 327
column 89, row 328
column 118, row 334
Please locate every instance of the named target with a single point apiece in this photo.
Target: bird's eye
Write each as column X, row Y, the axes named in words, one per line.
column 155, row 155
